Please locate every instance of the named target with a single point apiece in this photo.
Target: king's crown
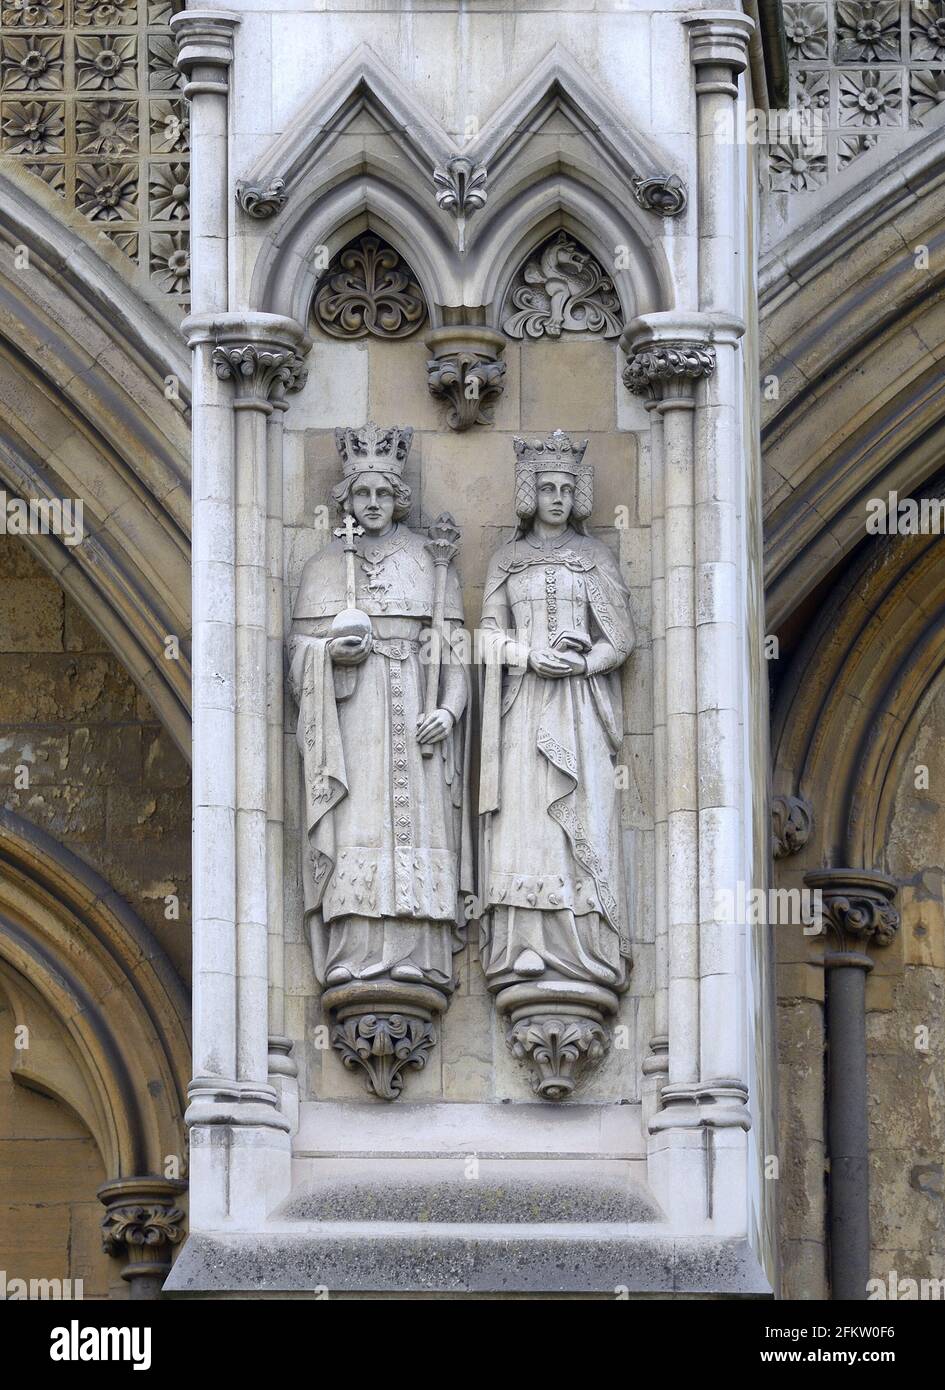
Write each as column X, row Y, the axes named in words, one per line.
column 556, row 452
column 373, row 449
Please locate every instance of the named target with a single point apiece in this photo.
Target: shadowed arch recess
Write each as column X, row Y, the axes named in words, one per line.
column 99, row 970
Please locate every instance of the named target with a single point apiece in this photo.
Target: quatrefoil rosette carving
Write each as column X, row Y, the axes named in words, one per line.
column 369, row 290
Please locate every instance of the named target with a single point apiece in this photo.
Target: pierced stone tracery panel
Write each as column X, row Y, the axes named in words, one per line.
column 561, row 289
column 91, row 103
column 864, row 69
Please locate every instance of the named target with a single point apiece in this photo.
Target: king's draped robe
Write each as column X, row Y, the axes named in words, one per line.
column 386, row 830
column 551, row 873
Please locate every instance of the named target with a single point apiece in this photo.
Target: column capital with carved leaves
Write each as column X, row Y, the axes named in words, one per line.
column 143, row 1221
column 668, row 353
column 261, row 354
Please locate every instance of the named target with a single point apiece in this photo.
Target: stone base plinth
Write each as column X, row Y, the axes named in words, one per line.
column 424, row 1259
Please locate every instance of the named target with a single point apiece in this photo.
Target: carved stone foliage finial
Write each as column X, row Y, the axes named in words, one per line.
column 460, row 190
column 651, row 369
column 141, row 1224
column 665, row 195
column 261, row 201
column 791, row 823
column 466, row 372
column 858, row 906
column 562, row 289
column 368, row 290
column 259, row 373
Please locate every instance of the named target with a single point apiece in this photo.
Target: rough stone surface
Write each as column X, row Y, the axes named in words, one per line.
column 582, row 1260
column 83, row 756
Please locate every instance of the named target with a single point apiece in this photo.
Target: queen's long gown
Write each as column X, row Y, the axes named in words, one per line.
column 552, row 872
column 385, row 826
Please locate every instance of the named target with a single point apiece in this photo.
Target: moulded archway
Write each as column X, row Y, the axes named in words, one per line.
column 95, row 391
column 122, row 1009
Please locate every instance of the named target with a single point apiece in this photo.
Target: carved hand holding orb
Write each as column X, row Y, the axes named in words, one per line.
column 385, row 765
column 556, row 619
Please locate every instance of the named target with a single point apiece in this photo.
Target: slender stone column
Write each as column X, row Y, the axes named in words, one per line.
column 858, row 912
column 691, row 361
column 669, row 355
column 719, row 42
column 656, row 1064
column 722, row 556
column 255, row 357
column 205, row 53
column 719, row 51
column 283, row 1070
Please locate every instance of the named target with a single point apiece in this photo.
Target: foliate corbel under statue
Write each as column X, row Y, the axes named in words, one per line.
column 557, row 628
column 382, row 733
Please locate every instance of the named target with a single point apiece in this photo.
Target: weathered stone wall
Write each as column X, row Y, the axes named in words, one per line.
column 906, row 1026
column 905, row 993
column 83, row 756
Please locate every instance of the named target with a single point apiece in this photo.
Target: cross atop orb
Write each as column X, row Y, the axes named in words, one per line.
column 349, row 528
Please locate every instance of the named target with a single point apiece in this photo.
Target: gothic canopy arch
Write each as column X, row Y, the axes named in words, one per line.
column 95, row 390
column 554, row 154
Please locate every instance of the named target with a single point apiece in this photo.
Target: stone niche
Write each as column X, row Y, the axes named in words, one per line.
column 570, row 383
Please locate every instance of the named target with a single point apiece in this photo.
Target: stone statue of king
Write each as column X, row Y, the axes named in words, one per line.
column 381, row 731
column 556, row 628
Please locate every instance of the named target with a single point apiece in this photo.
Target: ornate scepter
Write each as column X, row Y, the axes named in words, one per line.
column 352, row 622
column 443, row 546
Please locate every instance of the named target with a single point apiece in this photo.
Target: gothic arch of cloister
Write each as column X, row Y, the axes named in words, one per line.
column 95, row 388
column 100, row 1019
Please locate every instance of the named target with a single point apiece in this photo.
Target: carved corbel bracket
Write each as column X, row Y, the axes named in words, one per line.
column 383, row 1028
column 560, row 1028
column 858, row 908
column 792, row 819
column 261, row 200
column 719, row 49
column 466, row 371
column 142, row 1221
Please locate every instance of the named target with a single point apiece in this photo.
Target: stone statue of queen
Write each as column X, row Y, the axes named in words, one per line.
column 385, row 765
column 556, row 628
